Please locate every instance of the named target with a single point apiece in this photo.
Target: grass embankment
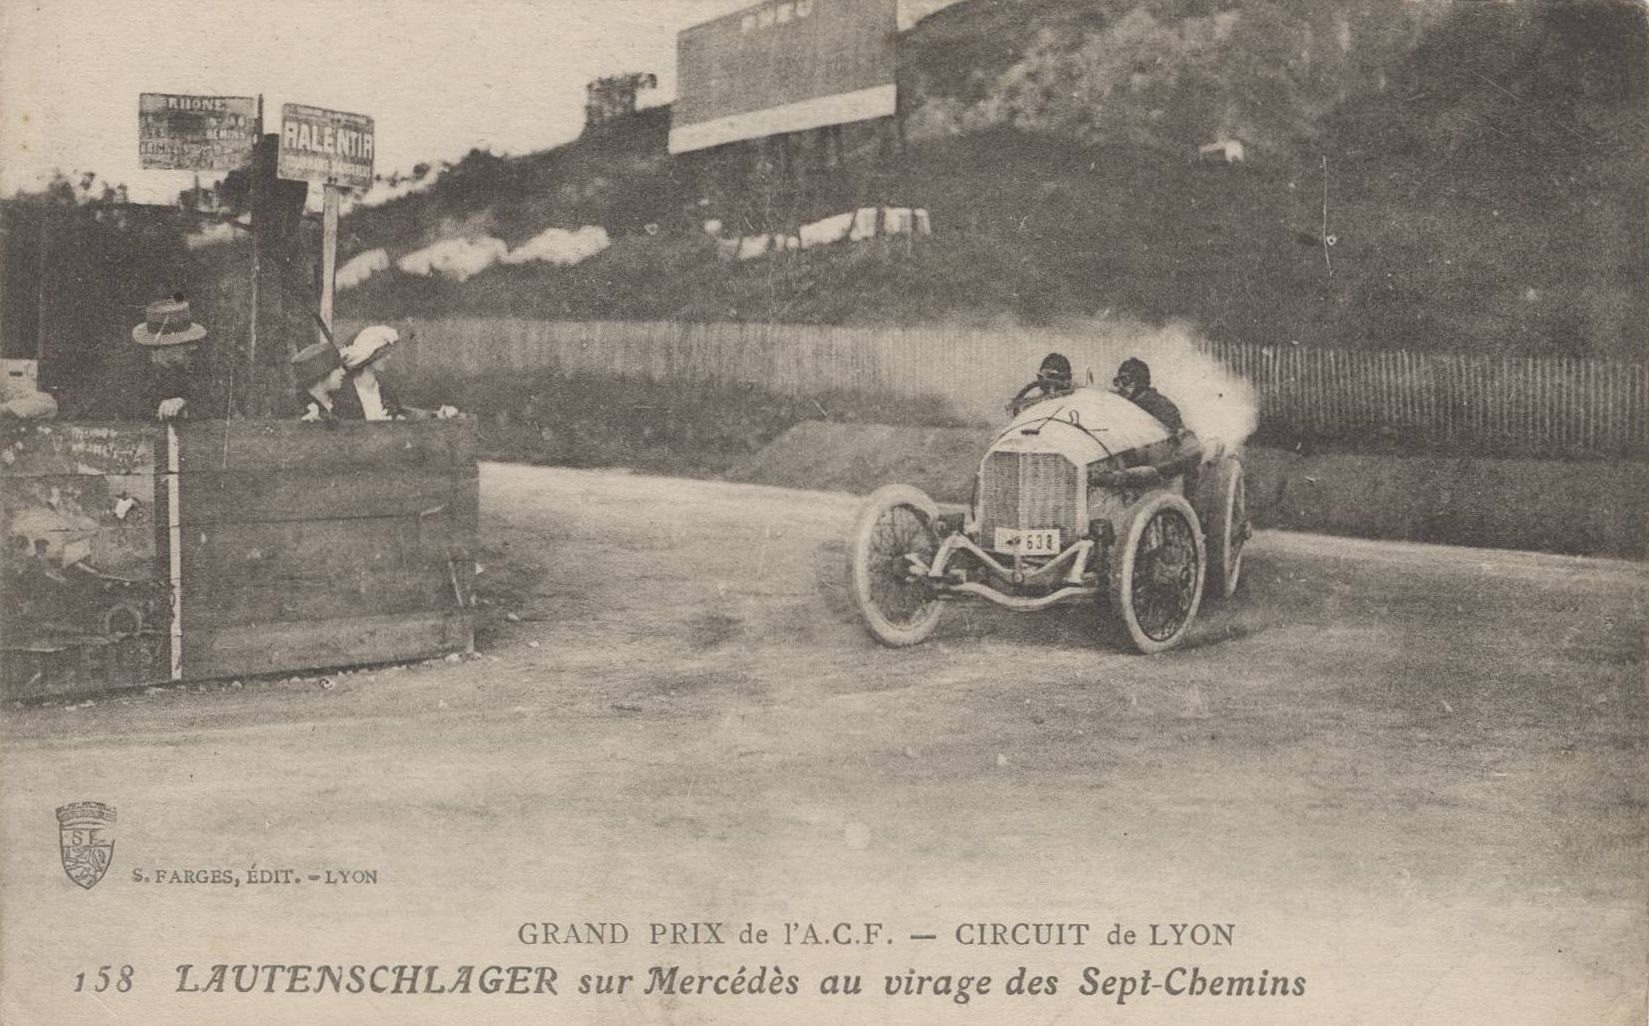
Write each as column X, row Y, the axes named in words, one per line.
column 696, row 429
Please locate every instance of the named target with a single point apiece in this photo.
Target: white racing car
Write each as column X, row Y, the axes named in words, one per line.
column 1082, row 497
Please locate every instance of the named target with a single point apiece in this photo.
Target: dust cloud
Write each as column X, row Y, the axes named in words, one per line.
column 1217, row 404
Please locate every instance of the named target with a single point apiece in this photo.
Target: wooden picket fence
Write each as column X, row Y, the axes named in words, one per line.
column 1539, row 402
column 1503, row 403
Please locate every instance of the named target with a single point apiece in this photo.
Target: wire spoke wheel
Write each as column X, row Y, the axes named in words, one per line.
column 1157, row 572
column 895, row 603
column 1165, row 573
column 900, row 532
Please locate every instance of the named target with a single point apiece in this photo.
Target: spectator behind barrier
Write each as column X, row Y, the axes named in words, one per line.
column 364, row 360
column 167, row 384
column 319, row 373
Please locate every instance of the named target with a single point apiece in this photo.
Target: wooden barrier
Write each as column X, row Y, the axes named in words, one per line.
column 142, row 554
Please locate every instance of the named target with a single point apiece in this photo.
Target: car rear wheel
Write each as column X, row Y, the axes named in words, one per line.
column 1223, row 506
column 1157, row 572
column 897, row 607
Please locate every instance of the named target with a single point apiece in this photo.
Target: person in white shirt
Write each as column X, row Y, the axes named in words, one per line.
column 363, row 360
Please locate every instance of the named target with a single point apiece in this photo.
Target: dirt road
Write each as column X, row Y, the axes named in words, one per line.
column 1412, row 777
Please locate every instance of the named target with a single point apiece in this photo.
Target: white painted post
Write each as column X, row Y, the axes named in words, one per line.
column 329, row 255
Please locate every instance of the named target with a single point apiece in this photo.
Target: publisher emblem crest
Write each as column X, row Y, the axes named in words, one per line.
column 86, row 835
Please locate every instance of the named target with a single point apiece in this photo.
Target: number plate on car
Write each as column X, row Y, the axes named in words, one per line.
column 1027, row 543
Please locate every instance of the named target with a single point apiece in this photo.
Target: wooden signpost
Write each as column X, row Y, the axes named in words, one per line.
column 334, row 148
column 219, row 133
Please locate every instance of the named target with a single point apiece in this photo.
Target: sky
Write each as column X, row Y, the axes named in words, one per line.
column 439, row 77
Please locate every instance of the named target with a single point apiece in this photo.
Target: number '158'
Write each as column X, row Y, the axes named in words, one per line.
column 121, row 982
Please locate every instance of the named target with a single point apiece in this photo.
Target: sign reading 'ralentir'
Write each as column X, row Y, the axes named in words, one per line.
column 195, row 133
column 327, row 146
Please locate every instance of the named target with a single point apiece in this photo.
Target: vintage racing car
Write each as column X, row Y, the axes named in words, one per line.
column 1082, row 497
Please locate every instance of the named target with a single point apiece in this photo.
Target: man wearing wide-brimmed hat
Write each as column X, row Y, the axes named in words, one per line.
column 171, row 337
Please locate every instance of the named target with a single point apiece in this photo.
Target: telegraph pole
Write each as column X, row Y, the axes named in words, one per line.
column 255, row 194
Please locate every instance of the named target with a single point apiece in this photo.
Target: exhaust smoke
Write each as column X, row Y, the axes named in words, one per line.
column 1217, row 404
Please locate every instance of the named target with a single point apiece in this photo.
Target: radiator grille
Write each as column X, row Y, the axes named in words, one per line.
column 1029, row 490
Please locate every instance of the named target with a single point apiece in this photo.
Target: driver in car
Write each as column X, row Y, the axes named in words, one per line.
column 1180, row 453
column 1053, row 378
column 1133, row 382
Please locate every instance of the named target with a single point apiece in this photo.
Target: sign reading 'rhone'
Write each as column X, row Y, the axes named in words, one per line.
column 329, row 146
column 195, row 133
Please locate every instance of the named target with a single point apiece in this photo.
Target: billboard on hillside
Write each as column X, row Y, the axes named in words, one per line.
column 783, row 66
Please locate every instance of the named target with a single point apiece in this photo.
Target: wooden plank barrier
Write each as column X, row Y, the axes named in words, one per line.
column 297, row 547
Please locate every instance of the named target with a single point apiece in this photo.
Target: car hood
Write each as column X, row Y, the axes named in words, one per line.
column 1087, row 425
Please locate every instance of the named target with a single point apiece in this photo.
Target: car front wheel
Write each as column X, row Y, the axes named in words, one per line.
column 1157, row 572
column 897, row 522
